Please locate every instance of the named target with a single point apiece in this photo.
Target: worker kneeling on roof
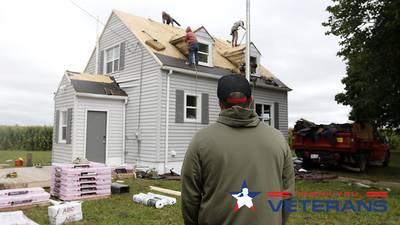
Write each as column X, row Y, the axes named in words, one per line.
column 231, row 165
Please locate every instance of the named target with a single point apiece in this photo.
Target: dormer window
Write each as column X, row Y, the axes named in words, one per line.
column 111, row 62
column 253, row 65
column 204, row 54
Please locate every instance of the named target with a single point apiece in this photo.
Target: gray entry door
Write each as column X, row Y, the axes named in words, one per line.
column 96, row 137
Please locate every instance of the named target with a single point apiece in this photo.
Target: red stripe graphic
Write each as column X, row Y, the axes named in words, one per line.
column 278, row 194
column 236, row 100
column 376, row 194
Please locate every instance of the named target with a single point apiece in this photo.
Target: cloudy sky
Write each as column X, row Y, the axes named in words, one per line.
column 41, row 39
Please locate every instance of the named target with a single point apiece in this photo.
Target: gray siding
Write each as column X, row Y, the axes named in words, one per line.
column 114, row 109
column 129, row 80
column 91, row 65
column 64, row 99
column 268, row 96
column 180, row 134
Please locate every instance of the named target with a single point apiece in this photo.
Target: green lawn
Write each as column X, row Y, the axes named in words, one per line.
column 43, row 157
column 121, row 210
column 374, row 173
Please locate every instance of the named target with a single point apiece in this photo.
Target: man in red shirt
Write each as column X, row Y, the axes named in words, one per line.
column 193, row 45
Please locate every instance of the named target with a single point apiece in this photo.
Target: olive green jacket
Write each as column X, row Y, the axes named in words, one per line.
column 221, row 157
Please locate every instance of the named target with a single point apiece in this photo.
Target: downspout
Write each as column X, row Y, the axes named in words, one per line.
column 124, row 132
column 167, row 125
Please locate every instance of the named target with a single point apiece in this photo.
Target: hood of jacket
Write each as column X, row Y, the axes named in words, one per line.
column 237, row 116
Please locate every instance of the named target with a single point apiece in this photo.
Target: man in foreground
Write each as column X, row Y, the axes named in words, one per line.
column 231, row 165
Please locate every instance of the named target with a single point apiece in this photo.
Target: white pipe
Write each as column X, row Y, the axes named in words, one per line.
column 89, row 95
column 248, row 40
column 167, row 125
column 124, row 132
column 97, row 48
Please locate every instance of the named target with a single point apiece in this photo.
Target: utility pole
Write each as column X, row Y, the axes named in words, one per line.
column 247, row 55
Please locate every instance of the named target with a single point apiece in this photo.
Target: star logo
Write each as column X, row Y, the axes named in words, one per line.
column 244, row 198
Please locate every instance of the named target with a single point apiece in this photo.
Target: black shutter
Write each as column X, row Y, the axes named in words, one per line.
column 122, row 56
column 69, row 126
column 204, row 109
column 100, row 66
column 179, row 107
column 56, row 126
column 276, row 115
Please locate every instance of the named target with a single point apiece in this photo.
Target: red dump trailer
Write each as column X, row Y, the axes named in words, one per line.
column 353, row 146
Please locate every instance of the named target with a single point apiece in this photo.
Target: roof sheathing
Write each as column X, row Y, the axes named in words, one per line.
column 166, row 33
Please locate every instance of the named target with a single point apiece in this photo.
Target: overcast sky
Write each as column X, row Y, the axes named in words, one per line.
column 41, row 39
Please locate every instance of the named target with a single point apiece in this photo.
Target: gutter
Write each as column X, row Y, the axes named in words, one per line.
column 167, row 123
column 213, row 76
column 89, row 95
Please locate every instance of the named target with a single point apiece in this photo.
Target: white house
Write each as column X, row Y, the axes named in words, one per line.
column 138, row 102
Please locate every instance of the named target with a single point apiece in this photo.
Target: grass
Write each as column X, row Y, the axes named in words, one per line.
column 121, row 210
column 43, row 157
column 374, row 173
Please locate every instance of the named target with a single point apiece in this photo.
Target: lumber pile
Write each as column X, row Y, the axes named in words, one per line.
column 80, row 181
column 236, row 55
column 181, row 45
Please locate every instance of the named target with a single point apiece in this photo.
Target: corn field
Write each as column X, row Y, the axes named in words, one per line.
column 30, row 138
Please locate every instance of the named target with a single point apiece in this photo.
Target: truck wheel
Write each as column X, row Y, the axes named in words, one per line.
column 362, row 163
column 387, row 159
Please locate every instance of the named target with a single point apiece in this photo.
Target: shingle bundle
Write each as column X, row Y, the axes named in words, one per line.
column 80, row 181
column 23, row 197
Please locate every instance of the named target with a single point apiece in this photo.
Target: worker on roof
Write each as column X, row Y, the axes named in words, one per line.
column 167, row 19
column 193, row 46
column 235, row 32
column 231, row 165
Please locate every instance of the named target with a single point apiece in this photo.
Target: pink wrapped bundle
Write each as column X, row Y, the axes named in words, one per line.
column 82, row 184
column 81, row 195
column 83, row 172
column 21, row 191
column 86, row 179
column 64, row 189
column 22, row 200
column 77, row 166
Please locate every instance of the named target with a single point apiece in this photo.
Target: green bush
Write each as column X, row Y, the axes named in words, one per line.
column 32, row 138
column 394, row 140
column 290, row 137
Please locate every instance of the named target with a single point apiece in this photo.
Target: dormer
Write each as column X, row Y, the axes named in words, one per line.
column 236, row 55
column 206, row 46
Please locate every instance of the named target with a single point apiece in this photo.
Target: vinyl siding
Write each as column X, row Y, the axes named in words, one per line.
column 268, row 96
column 114, row 109
column 180, row 134
column 91, row 65
column 129, row 79
column 63, row 100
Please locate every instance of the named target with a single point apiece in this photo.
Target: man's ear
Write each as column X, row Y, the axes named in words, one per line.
column 250, row 102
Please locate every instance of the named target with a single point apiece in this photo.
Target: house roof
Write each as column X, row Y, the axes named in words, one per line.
column 146, row 30
column 164, row 34
column 94, row 84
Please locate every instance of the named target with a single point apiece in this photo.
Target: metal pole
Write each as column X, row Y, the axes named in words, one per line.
column 247, row 55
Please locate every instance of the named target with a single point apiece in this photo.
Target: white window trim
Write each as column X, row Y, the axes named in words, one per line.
column 113, row 59
column 210, row 52
column 60, row 126
column 198, row 108
column 271, row 107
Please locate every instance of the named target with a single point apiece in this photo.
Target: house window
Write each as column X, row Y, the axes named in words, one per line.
column 111, row 61
column 192, row 108
column 204, row 54
column 264, row 112
column 63, row 127
column 253, row 65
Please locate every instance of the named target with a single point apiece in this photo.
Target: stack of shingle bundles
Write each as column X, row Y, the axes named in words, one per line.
column 23, row 197
column 80, row 181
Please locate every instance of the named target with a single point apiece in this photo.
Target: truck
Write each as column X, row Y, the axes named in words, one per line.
column 352, row 146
